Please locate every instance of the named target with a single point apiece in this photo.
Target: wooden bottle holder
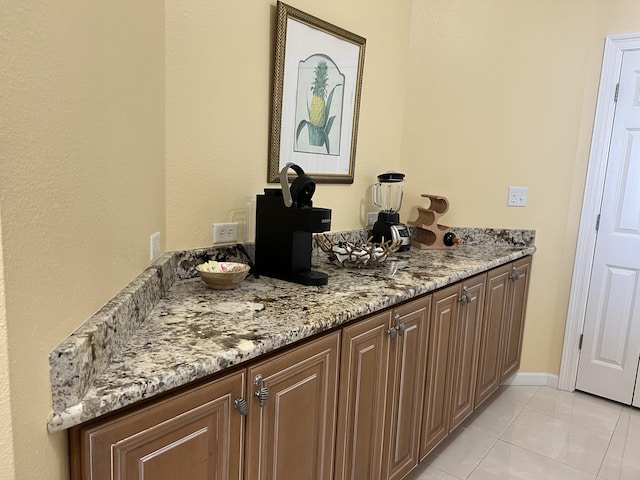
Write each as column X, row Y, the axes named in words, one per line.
column 428, row 233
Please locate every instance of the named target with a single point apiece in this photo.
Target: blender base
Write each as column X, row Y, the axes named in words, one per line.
column 388, row 227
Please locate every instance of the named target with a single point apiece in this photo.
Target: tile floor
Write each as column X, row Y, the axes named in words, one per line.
column 540, row 433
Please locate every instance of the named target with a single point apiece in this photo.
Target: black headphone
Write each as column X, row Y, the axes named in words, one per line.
column 301, row 190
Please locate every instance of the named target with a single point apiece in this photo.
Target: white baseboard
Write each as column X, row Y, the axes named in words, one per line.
column 534, row 379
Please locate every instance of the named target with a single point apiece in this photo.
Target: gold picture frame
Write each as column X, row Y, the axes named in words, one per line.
column 316, row 97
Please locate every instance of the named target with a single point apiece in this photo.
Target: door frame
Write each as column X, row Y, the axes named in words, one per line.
column 615, row 46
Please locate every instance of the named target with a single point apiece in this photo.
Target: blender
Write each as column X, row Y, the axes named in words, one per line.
column 387, row 196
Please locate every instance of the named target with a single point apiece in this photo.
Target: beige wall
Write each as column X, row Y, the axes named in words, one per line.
column 503, row 94
column 497, row 98
column 467, row 97
column 81, row 185
column 219, row 69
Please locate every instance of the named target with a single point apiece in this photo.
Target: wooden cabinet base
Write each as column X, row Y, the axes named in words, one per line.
column 452, row 359
column 405, row 389
column 503, row 326
column 366, row 402
column 293, row 435
column 195, row 435
column 361, row 406
column 381, row 389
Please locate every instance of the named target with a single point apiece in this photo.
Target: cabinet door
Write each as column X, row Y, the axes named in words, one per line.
column 363, row 380
column 196, row 435
column 292, row 436
column 466, row 341
column 514, row 324
column 489, row 361
column 436, row 399
column 406, row 388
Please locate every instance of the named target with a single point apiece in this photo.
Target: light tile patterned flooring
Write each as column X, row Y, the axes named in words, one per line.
column 540, row 433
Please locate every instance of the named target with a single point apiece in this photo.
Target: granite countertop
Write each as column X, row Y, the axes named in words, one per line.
column 167, row 328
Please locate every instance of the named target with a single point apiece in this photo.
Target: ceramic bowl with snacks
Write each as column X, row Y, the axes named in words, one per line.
column 222, row 275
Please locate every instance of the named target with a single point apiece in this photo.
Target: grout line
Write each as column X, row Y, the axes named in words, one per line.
column 609, row 444
column 499, row 439
column 483, row 457
column 570, row 423
column 518, row 412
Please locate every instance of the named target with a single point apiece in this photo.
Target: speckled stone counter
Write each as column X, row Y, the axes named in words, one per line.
column 167, row 329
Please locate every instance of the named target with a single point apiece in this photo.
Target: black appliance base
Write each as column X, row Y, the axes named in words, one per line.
column 312, row 278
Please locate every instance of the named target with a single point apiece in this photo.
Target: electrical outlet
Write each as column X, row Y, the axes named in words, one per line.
column 225, row 232
column 517, row 197
column 371, row 218
column 154, row 246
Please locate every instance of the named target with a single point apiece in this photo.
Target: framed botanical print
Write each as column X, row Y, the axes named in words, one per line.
column 316, row 97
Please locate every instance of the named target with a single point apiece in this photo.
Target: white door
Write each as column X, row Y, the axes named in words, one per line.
column 608, row 364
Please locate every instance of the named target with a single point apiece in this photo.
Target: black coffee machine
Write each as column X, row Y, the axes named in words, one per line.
column 285, row 222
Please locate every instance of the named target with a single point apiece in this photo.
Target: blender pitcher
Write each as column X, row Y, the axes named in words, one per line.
column 387, row 193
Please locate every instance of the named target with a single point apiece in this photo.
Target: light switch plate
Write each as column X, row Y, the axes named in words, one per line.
column 517, row 197
column 154, row 245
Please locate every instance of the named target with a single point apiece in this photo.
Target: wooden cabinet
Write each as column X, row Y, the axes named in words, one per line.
column 366, row 402
column 292, row 435
column 381, row 390
column 503, row 326
column 514, row 324
column 196, row 435
column 405, row 389
column 466, row 341
column 200, row 434
column 363, row 390
column 451, row 359
column 491, row 333
column 436, row 411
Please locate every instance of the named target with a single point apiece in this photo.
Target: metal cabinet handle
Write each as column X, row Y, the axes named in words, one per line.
column 515, row 275
column 241, row 405
column 262, row 394
column 465, row 298
column 401, row 329
column 392, row 332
